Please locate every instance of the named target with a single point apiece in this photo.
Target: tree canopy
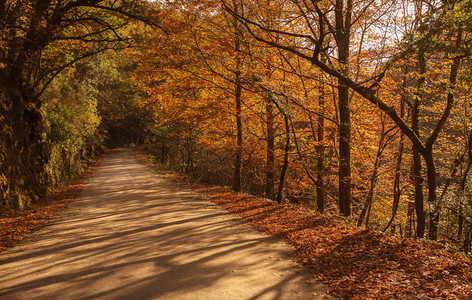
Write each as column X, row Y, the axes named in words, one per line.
column 358, row 108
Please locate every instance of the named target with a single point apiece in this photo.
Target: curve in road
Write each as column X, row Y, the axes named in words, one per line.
column 134, row 235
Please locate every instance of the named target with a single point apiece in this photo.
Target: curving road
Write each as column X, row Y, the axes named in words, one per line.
column 133, row 235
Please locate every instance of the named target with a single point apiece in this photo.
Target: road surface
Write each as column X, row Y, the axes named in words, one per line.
column 133, row 235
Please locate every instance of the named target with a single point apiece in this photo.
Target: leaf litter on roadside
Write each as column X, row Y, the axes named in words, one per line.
column 16, row 224
column 355, row 263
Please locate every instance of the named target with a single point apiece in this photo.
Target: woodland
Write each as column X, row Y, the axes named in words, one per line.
column 355, row 109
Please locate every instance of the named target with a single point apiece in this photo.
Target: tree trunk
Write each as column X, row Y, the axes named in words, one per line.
column 239, row 125
column 418, row 188
column 320, row 194
column 398, row 165
column 270, row 159
column 343, row 23
column 285, row 165
column 416, row 171
column 396, row 183
column 432, row 197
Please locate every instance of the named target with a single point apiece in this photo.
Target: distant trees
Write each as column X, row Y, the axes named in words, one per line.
column 38, row 40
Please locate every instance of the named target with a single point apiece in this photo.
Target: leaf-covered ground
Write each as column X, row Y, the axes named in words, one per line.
column 16, row 224
column 354, row 263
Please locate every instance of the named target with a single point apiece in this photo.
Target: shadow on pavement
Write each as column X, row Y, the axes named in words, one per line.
column 132, row 235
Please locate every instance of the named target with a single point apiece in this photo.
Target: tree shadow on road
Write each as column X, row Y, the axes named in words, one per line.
column 132, row 235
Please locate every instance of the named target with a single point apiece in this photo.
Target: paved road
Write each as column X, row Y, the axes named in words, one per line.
column 133, row 235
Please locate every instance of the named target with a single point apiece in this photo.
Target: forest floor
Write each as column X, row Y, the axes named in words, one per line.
column 354, row 263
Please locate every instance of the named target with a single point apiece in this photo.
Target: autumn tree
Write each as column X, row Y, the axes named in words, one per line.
column 187, row 75
column 39, row 39
column 319, row 20
column 444, row 17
